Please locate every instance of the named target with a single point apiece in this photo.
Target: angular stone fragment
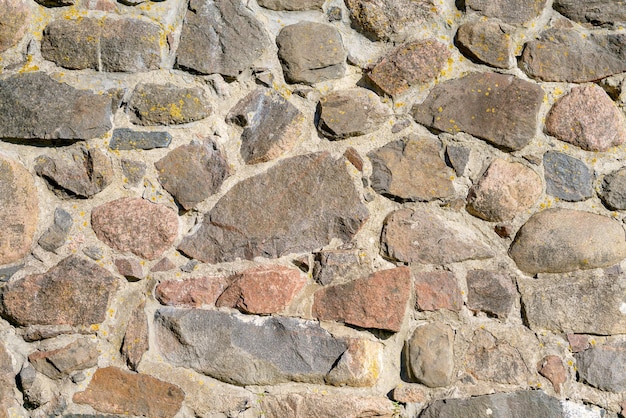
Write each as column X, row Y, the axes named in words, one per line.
column 350, row 112
column 245, row 351
column 340, row 266
column 427, row 237
column 19, row 210
column 7, row 381
column 155, row 104
column 494, row 360
column 7, row 272
column 510, row 11
column 292, row 4
column 78, row 171
column 56, row 234
column 354, row 157
column 492, row 292
column 359, row 366
column 437, row 290
column 116, row 391
column 592, row 12
column 135, row 342
column 409, row 393
column 430, row 354
column 220, row 36
column 603, row 366
column 562, row 240
column 458, row 157
column 311, row 52
column 262, row 290
column 566, row 177
column 567, row 55
column 34, row 106
column 136, row 225
column 272, row 125
column 578, row 342
column 72, row 44
column 311, row 405
column 408, row 65
column 133, row 171
column 56, row 364
column 193, row 172
column 613, row 192
column 191, row 292
column 377, row 301
column 298, row 205
column 487, row 42
column 127, row 139
column 411, row 170
column 75, row 292
column 587, row 118
column 14, row 19
column 501, row 109
column 129, row 268
column 551, row 367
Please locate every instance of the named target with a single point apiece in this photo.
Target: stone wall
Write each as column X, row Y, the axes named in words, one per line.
column 312, row 208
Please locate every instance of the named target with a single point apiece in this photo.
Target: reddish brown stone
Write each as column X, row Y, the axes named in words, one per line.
column 355, row 159
column 262, row 290
column 14, row 18
column 409, row 393
column 377, row 301
column 116, row 391
column 129, row 268
column 578, row 342
column 135, row 342
column 437, row 290
column 191, row 292
column 551, row 367
column 493, row 292
column 136, row 225
column 56, row 364
column 164, row 264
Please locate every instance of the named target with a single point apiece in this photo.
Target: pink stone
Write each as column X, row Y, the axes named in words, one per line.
column 191, row 292
column 551, row 367
column 437, row 290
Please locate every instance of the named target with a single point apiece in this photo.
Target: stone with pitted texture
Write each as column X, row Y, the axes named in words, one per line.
column 14, row 19
column 154, row 104
column 487, row 42
column 510, row 11
column 430, row 354
column 593, row 12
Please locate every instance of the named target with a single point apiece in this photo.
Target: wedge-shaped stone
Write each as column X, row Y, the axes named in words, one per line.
column 56, row 364
column 246, row 350
column 501, row 109
column 563, row 240
column 298, row 205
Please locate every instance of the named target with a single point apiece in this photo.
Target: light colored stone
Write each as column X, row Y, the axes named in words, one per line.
column 430, row 354
column 359, row 366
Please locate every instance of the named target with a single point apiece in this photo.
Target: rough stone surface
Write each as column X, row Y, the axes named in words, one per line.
column 271, row 125
column 129, row 268
column 234, row 349
column 14, row 19
column 295, row 405
column 56, row 364
column 194, row 292
column 492, row 292
column 491, row 359
column 34, row 106
column 377, row 301
column 411, row 170
column 408, row 65
column 135, row 342
column 437, row 290
column 587, row 118
column 7, row 381
column 133, row 171
column 340, row 266
column 603, row 366
column 127, row 139
column 359, row 366
column 155, row 104
column 306, row 201
column 488, row 42
column 501, row 109
column 136, row 225
column 56, row 235
column 430, row 354
column 220, row 37
column 551, row 367
column 292, row 4
column 311, row 52
column 613, row 192
column 426, row 237
column 192, row 172
column 458, row 157
column 566, row 177
column 594, row 12
column 562, row 240
column 510, row 11
column 116, row 391
column 409, row 393
column 75, row 292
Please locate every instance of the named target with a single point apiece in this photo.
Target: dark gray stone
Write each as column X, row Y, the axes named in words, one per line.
column 567, row 177
column 246, row 350
column 298, row 205
column 458, row 157
column 220, row 36
column 492, row 292
column 133, row 171
column 56, row 235
column 430, row 354
column 613, row 192
column 7, row 272
column 592, row 12
column 127, row 139
column 72, row 44
column 510, row 11
column 603, row 366
column 55, row 3
column 487, row 42
column 34, row 106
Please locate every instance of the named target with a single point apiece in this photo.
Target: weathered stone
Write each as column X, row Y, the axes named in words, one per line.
column 7, row 272
column 78, row 171
column 194, row 292
column 408, row 65
column 164, row 264
column 492, row 292
column 487, row 42
column 155, row 104
column 311, row 52
column 136, row 225
column 510, row 11
column 411, row 170
column 566, row 177
column 603, row 366
column 93, row 252
column 592, row 12
column 378, row 301
column 569, row 56
column 133, row 171
column 562, row 240
column 34, row 106
column 613, row 193
column 220, row 37
column 521, row 404
column 359, row 366
column 427, row 237
column 271, row 125
column 298, row 205
column 292, row 4
column 35, row 387
column 127, row 139
column 350, row 112
column 262, row 290
column 117, row 391
column 56, row 364
column 19, row 210
column 430, row 354
column 578, row 342
column 244, row 351
column 56, row 234
column 587, row 118
column 409, row 393
column 192, row 172
column 72, row 44
column 501, row 109
column 75, row 292
column 14, row 19
column 437, row 290
column 135, row 342
column 458, row 157
column 354, row 157
column 7, row 381
column 311, row 405
column 129, row 268
column 580, row 304
column 340, row 266
column 495, row 360
column 551, row 367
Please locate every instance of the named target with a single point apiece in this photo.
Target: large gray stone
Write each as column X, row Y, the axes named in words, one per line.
column 501, row 109
column 613, row 192
column 603, row 366
column 298, row 205
column 127, row 139
column 430, row 354
column 567, row 177
column 510, row 11
column 220, row 36
column 246, row 350
column 34, row 106
column 592, row 12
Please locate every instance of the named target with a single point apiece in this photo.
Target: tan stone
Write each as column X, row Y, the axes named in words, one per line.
column 359, row 366
column 14, row 18
column 312, row 405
